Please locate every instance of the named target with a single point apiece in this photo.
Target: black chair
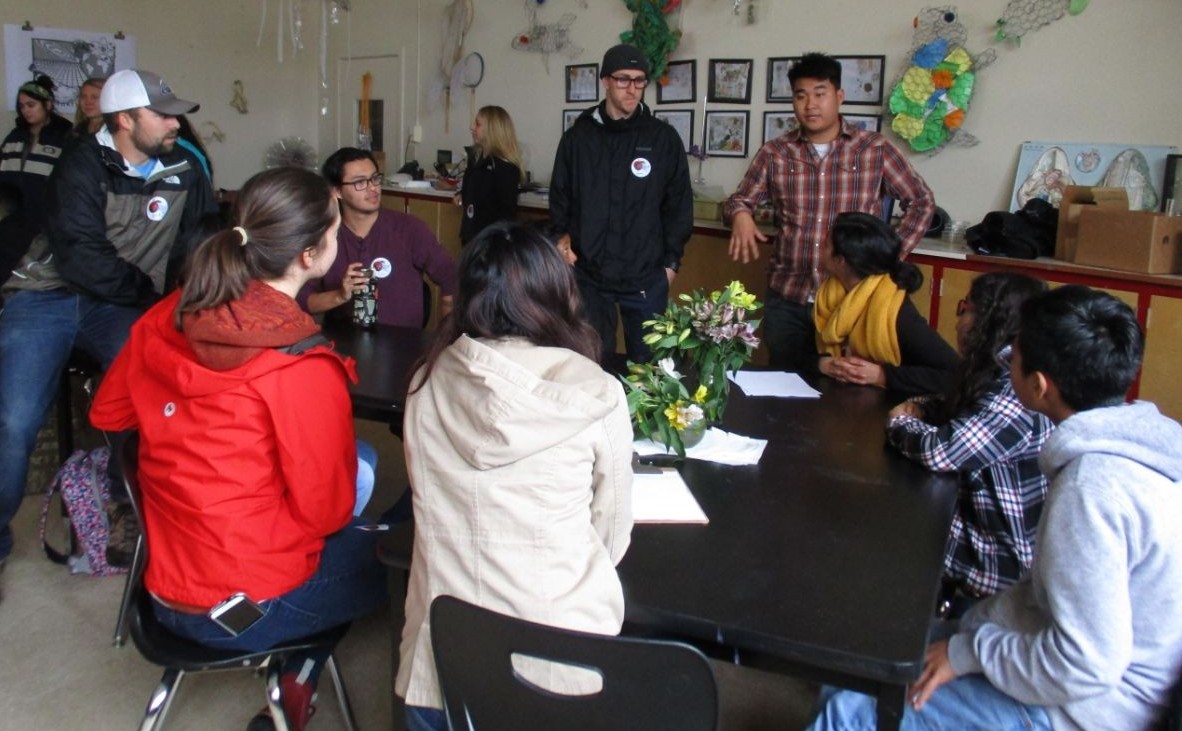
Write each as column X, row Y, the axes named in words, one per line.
column 179, row 656
column 648, row 684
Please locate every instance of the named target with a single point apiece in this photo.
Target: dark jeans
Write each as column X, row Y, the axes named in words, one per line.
column 349, row 584
column 600, row 309
column 790, row 335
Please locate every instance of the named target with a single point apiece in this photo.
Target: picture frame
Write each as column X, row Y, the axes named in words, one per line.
column 582, row 83
column 779, row 88
column 1171, row 187
column 681, row 120
column 682, row 82
column 568, row 118
column 868, row 122
column 778, row 122
column 730, row 80
column 726, row 133
column 862, row 79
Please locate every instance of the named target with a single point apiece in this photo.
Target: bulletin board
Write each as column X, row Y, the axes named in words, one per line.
column 69, row 57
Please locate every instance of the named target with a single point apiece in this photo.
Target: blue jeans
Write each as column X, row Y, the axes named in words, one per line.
column 419, row 718
column 37, row 332
column 790, row 335
column 969, row 702
column 600, row 309
column 349, row 583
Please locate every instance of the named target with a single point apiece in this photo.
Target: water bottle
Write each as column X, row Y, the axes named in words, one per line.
column 365, row 301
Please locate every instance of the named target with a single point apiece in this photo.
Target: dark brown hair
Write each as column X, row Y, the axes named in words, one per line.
column 513, row 282
column 284, row 212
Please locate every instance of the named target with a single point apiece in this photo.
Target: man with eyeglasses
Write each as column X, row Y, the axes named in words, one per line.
column 395, row 250
column 621, row 190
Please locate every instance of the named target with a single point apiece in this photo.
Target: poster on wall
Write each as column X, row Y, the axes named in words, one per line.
column 69, row 57
column 1045, row 169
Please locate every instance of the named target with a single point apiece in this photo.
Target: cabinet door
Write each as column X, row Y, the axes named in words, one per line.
column 954, row 286
column 1163, row 352
column 922, row 297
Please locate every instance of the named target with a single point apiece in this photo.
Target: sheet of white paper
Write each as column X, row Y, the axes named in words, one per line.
column 663, row 497
column 716, row 446
column 773, row 383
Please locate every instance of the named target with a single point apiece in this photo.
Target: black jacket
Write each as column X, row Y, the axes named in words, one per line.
column 112, row 234
column 621, row 189
column 489, row 195
column 29, row 170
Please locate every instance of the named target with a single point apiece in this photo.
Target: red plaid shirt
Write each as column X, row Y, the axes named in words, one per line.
column 807, row 192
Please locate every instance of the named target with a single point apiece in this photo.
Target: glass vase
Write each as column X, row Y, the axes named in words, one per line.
column 692, row 434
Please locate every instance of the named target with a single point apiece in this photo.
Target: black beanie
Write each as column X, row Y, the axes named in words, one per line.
column 621, row 57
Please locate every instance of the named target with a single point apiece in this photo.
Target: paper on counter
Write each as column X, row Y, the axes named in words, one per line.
column 773, row 383
column 663, row 497
column 716, row 446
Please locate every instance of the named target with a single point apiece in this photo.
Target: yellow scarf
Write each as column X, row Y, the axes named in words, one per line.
column 862, row 318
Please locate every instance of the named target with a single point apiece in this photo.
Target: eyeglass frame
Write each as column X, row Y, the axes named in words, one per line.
column 364, row 184
column 623, row 82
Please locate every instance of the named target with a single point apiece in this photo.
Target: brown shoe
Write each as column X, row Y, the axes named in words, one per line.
column 123, row 532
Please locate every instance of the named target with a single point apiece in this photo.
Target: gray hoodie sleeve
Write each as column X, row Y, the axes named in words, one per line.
column 1081, row 643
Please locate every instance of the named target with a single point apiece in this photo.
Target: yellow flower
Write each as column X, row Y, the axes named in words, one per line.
column 675, row 415
column 700, row 394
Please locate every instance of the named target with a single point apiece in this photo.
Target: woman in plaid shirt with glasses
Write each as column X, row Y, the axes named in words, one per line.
column 981, row 430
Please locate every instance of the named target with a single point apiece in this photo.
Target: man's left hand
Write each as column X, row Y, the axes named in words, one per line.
column 937, row 670
column 670, row 274
column 851, row 369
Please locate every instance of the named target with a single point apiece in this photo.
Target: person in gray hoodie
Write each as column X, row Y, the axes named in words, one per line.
column 1091, row 638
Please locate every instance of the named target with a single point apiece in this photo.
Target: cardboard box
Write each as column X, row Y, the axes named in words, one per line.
column 1138, row 241
column 707, row 210
column 1075, row 199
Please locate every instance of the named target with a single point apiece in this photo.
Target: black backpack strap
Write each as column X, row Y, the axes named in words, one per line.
column 303, row 346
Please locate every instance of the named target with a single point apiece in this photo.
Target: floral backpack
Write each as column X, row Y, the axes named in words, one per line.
column 84, row 487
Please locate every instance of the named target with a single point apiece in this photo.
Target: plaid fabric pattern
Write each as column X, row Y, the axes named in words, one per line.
column 995, row 449
column 807, row 192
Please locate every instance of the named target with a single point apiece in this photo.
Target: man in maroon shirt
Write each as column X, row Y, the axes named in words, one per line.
column 398, row 247
column 811, row 174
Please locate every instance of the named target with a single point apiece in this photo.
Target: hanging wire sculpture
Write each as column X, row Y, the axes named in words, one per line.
column 546, row 38
column 1026, row 16
column 651, row 32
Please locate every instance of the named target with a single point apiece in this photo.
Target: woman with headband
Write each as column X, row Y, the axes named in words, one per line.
column 31, row 149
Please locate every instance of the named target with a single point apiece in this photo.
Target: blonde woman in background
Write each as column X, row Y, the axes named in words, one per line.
column 87, row 117
column 489, row 191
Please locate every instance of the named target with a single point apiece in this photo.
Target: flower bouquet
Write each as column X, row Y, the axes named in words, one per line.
column 705, row 335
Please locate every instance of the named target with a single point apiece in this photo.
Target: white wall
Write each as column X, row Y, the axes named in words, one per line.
column 1107, row 75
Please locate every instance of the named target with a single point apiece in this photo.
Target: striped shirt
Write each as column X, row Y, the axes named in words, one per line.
column 994, row 447
column 807, row 191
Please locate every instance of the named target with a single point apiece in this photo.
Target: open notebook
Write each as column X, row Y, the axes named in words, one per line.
column 659, row 495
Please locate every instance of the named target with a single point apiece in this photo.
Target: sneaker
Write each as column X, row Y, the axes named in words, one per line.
column 123, row 531
column 297, row 700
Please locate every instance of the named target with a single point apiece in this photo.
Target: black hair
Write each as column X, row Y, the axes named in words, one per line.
column 1085, row 341
column 187, row 133
column 513, row 282
column 334, row 167
column 547, row 228
column 815, row 66
column 284, row 212
column 869, row 246
column 40, row 88
column 996, row 299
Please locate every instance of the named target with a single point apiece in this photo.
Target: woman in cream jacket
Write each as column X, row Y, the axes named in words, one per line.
column 519, row 451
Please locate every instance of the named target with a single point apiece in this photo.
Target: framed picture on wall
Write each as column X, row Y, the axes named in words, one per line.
column 730, row 81
column 868, row 122
column 778, row 123
column 582, row 83
column 1171, row 189
column 779, row 88
column 568, row 118
column 726, row 133
column 681, row 120
column 682, row 77
column 861, row 78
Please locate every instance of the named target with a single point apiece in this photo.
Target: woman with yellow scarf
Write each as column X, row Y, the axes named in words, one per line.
column 868, row 331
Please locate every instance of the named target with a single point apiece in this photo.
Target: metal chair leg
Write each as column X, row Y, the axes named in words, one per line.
column 137, row 560
column 275, row 694
column 161, row 699
column 338, row 683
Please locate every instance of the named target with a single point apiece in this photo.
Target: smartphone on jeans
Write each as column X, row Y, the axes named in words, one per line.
column 236, row 614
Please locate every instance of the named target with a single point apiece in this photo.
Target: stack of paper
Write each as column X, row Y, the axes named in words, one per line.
column 773, row 383
column 716, row 446
column 661, row 496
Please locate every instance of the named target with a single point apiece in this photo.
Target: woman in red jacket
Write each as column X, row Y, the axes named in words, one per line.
column 247, row 457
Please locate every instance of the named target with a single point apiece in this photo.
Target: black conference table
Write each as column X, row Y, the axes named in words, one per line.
column 823, row 561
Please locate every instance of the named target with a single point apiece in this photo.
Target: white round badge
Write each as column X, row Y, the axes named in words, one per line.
column 382, row 267
column 471, row 210
column 157, row 208
column 641, row 167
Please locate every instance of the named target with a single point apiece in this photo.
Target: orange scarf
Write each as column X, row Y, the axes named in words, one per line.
column 860, row 322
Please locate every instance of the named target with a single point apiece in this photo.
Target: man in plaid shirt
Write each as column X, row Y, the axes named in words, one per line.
column 811, row 174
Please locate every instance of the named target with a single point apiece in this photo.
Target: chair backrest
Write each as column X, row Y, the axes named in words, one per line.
column 649, row 684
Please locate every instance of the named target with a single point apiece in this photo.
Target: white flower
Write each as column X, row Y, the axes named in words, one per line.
column 666, row 364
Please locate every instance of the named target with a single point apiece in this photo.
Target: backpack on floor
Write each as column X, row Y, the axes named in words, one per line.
column 85, row 490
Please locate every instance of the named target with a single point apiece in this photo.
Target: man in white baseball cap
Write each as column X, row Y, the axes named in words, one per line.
column 124, row 208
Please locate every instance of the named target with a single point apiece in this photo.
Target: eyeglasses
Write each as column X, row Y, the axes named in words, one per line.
column 374, row 180
column 623, row 82
column 962, row 307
